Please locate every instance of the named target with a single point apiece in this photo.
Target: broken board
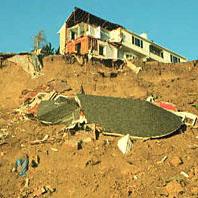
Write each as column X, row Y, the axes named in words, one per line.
column 128, row 116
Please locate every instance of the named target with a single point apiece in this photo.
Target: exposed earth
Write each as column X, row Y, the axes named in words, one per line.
column 166, row 167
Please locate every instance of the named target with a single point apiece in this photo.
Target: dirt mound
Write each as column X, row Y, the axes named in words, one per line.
column 80, row 166
column 13, row 79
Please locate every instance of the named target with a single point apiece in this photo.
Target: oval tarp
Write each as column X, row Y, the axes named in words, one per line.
column 128, row 116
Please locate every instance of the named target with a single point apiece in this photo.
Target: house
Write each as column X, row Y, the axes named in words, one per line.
column 86, row 34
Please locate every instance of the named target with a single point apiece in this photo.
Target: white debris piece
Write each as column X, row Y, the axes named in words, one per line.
column 184, row 174
column 125, row 144
column 133, row 67
column 188, row 118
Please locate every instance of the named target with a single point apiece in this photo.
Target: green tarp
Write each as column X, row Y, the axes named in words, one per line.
column 127, row 116
column 61, row 111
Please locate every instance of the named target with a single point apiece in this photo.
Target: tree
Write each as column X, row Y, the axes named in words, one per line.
column 48, row 49
column 39, row 40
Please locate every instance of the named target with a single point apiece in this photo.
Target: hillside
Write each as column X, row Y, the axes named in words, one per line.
column 165, row 167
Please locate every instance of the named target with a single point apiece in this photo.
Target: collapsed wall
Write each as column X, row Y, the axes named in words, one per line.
column 30, row 63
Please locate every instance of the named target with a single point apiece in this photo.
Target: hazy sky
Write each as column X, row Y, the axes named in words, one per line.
column 171, row 23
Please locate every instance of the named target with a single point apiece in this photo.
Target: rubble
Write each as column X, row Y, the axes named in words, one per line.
column 44, row 140
column 87, row 140
column 54, row 149
column 110, row 74
column 184, row 174
column 29, row 62
column 79, row 145
column 176, row 161
column 27, row 182
column 194, row 190
column 145, row 121
column 43, row 190
column 173, row 188
column 189, row 119
column 125, row 144
column 3, row 136
column 2, row 122
column 35, row 162
column 92, row 162
column 133, row 67
column 162, row 160
column 60, row 86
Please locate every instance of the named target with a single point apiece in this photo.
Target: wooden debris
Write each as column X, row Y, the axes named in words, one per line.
column 44, row 140
column 162, row 160
column 54, row 149
column 184, row 174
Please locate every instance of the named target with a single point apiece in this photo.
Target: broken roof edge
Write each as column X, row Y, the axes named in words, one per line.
column 90, row 20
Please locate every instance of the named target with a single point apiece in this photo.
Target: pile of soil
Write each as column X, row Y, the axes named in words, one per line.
column 76, row 164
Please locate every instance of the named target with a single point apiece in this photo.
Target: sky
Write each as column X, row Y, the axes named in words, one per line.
column 170, row 23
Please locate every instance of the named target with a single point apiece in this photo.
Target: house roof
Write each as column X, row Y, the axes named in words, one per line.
column 79, row 15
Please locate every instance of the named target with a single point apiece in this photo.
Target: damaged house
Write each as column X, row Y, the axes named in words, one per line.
column 86, row 34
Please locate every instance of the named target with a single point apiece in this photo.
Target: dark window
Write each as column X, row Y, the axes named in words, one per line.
column 73, row 35
column 174, row 59
column 78, row 48
column 137, row 42
column 101, row 50
column 157, row 51
column 133, row 40
column 141, row 44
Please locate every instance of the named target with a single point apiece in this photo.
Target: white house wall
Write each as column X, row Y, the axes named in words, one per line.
column 94, row 31
column 127, row 41
column 145, row 51
column 62, row 38
column 115, row 35
column 110, row 52
column 104, row 35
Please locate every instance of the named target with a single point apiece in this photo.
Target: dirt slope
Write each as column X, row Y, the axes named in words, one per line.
column 154, row 168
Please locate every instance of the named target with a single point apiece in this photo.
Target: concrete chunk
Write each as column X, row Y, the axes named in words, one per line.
column 125, row 144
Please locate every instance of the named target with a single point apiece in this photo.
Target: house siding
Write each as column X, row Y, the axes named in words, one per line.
column 62, row 39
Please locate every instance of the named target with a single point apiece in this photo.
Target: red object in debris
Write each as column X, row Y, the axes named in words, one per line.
column 33, row 110
column 166, row 105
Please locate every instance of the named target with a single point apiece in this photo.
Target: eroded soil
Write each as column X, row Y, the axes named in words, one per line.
column 166, row 167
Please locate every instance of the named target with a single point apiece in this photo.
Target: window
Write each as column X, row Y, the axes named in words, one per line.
column 101, row 50
column 174, row 59
column 129, row 56
column 78, row 48
column 141, row 44
column 133, row 40
column 136, row 41
column 156, row 50
column 73, row 35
